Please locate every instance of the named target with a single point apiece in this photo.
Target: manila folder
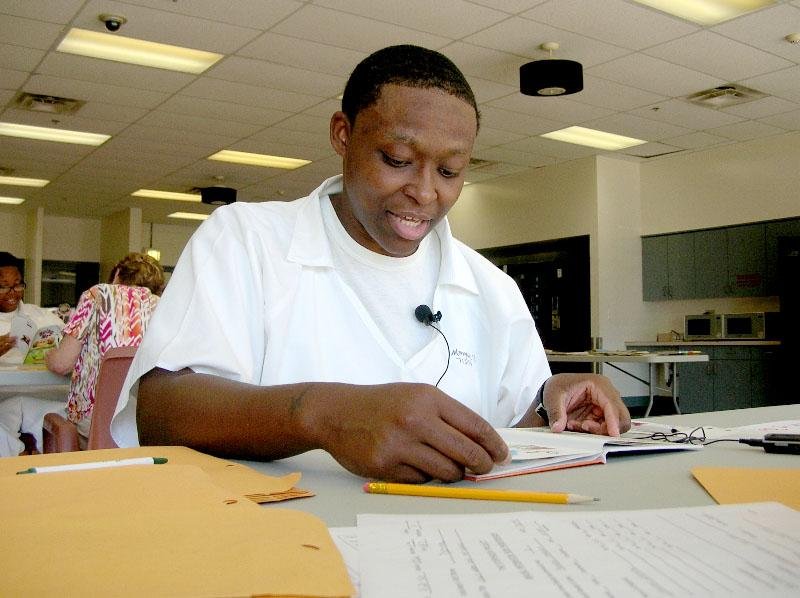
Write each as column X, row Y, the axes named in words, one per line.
column 154, row 530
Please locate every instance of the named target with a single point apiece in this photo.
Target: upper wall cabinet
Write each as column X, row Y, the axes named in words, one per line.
column 668, row 267
column 734, row 261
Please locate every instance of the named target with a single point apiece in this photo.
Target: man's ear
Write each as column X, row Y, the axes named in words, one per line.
column 340, row 132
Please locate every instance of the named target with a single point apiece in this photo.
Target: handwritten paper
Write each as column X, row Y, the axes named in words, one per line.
column 736, row 550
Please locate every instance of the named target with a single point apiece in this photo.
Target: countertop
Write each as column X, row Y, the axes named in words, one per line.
column 728, row 343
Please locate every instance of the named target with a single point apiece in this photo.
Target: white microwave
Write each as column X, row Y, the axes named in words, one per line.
column 756, row 325
column 700, row 327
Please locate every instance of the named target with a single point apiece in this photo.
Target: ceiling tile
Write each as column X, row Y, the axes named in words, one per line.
column 523, row 37
column 247, row 13
column 423, row 15
column 10, row 79
column 562, row 109
column 336, row 28
column 259, row 72
column 43, row 10
column 710, row 52
column 637, row 127
column 684, row 114
column 85, row 90
column 249, row 95
column 762, row 107
column 784, row 84
column 28, row 33
column 744, row 131
column 107, row 72
column 218, row 110
column 516, row 122
column 304, row 54
column 655, row 75
column 615, row 96
column 613, row 21
column 166, row 27
column 19, row 58
column 787, row 120
column 696, row 140
column 485, row 63
column 766, row 29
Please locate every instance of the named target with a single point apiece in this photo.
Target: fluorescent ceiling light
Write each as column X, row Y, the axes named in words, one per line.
column 136, row 51
column 707, row 12
column 22, row 181
column 259, row 159
column 593, row 138
column 156, row 194
column 188, row 215
column 48, row 134
column 12, row 200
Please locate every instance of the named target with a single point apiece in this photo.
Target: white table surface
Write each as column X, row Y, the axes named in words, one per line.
column 30, row 379
column 631, row 481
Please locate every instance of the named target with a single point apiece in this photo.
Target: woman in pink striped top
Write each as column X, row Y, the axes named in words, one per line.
column 107, row 315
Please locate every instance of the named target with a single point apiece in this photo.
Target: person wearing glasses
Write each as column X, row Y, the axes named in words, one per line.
column 19, row 414
column 12, row 288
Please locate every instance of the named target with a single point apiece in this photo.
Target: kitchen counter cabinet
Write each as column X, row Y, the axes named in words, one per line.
column 736, row 376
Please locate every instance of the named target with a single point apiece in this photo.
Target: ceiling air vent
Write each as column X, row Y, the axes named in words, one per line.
column 724, row 96
column 44, row 103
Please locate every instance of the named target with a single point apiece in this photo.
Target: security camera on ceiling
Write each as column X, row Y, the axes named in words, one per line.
column 112, row 22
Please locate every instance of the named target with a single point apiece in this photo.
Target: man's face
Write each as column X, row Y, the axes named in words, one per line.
column 10, row 277
column 404, row 164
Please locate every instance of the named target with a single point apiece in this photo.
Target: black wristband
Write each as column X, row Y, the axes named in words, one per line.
column 540, row 410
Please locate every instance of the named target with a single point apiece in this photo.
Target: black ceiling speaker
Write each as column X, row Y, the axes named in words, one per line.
column 217, row 196
column 550, row 77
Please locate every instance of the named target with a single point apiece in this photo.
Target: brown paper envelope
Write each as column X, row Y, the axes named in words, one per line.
column 154, row 530
column 232, row 476
column 731, row 485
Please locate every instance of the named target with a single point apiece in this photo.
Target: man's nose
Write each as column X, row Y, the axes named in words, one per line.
column 423, row 187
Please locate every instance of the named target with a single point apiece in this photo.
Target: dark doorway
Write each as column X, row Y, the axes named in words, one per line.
column 554, row 279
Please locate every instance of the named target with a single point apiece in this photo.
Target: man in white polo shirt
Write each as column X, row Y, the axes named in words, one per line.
column 293, row 326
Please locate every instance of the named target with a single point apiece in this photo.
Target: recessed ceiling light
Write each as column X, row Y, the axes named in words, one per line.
column 48, row 134
column 22, row 181
column 593, row 138
column 12, row 200
column 156, row 194
column 706, row 12
column 136, row 51
column 259, row 159
column 188, row 215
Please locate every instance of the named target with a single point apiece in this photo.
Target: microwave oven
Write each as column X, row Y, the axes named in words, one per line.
column 702, row 327
column 757, row 325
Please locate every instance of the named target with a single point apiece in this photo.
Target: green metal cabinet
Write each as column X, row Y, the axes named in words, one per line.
column 668, row 267
column 734, row 377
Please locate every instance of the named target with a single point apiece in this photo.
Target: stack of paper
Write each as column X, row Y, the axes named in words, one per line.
column 719, row 551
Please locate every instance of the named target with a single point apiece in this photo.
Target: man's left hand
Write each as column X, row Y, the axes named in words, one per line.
column 585, row 403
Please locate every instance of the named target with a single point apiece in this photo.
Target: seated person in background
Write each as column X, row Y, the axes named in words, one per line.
column 290, row 326
column 12, row 288
column 107, row 315
column 19, row 413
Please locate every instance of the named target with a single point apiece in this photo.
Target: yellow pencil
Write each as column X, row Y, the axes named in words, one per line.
column 560, row 498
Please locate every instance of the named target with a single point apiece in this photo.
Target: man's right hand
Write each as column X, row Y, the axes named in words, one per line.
column 399, row 432
column 403, row 432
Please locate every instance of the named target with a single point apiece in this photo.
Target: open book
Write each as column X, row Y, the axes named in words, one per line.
column 32, row 342
column 537, row 449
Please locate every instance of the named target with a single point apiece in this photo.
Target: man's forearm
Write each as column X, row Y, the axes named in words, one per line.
column 226, row 418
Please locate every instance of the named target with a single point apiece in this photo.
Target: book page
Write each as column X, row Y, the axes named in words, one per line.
column 736, row 550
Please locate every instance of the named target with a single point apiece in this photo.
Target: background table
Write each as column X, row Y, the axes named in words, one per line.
column 21, row 379
column 643, row 481
column 652, row 359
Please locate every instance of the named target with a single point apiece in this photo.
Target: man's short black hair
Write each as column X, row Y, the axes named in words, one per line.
column 412, row 66
column 8, row 260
